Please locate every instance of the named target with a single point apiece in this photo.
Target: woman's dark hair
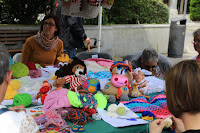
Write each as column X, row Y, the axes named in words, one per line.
column 57, row 22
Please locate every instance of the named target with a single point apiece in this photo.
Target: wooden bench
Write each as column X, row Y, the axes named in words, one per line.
column 14, row 39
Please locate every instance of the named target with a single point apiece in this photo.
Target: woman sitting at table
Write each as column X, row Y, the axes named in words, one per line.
column 183, row 98
column 14, row 119
column 150, row 60
column 45, row 46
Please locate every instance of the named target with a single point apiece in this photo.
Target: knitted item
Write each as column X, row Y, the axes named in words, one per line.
column 107, row 3
column 56, row 99
column 88, row 101
column 31, row 66
column 122, row 64
column 74, row 99
column 23, row 98
column 19, row 70
column 91, row 85
column 12, row 89
column 51, row 117
column 101, row 100
column 156, row 105
column 78, row 116
column 90, row 112
column 35, row 73
column 70, row 6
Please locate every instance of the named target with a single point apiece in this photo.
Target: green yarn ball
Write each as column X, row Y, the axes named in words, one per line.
column 19, row 70
column 23, row 98
column 121, row 111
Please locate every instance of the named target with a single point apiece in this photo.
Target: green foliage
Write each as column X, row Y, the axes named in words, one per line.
column 136, row 12
column 22, row 10
column 195, row 10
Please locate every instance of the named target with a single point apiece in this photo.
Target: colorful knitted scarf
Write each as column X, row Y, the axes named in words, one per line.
column 156, row 104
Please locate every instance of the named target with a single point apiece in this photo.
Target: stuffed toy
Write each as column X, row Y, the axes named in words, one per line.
column 119, row 86
column 72, row 73
column 19, row 70
column 46, row 87
column 139, row 85
column 63, row 58
column 12, row 89
column 34, row 72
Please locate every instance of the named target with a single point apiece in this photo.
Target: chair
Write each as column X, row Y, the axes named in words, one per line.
column 86, row 55
column 16, row 57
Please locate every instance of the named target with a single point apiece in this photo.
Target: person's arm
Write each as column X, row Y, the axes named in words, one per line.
column 26, row 52
column 60, row 50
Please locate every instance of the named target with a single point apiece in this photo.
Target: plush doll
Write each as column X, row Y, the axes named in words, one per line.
column 139, row 84
column 46, row 87
column 64, row 59
column 72, row 73
column 12, row 89
column 119, row 86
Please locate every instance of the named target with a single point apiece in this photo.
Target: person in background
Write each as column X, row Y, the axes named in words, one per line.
column 150, row 60
column 45, row 46
column 72, row 33
column 183, row 98
column 196, row 43
column 12, row 120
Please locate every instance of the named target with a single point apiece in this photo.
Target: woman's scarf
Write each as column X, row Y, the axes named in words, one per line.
column 46, row 43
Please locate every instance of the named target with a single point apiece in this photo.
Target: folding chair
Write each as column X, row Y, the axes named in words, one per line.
column 16, row 57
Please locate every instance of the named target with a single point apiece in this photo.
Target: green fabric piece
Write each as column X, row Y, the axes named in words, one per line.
column 74, row 99
column 101, row 100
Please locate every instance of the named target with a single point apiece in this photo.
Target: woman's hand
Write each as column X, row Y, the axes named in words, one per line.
column 18, row 108
column 178, row 125
column 156, row 126
column 87, row 41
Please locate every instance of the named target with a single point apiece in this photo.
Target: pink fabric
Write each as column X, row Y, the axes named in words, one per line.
column 56, row 99
column 35, row 73
column 101, row 61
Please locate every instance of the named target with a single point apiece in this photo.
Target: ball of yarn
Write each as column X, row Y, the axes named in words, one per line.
column 19, row 70
column 31, row 66
column 15, row 84
column 169, row 123
column 12, row 89
column 23, row 98
column 121, row 111
column 112, row 108
column 92, row 85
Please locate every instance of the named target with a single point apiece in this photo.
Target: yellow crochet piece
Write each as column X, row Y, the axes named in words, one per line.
column 54, row 78
column 148, row 118
column 64, row 58
column 12, row 89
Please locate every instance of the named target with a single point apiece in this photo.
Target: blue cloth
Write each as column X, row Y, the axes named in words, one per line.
column 11, row 61
column 99, row 75
column 71, row 52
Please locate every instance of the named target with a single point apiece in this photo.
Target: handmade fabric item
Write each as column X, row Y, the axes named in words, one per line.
column 23, row 98
column 44, row 42
column 99, row 75
column 51, row 117
column 92, row 85
column 19, row 70
column 56, row 99
column 156, row 105
column 78, row 116
column 35, row 73
column 87, row 100
column 119, row 86
column 107, row 3
column 12, row 89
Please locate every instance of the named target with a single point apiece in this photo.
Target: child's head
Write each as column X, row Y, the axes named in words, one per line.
column 196, row 40
column 5, row 74
column 182, row 88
